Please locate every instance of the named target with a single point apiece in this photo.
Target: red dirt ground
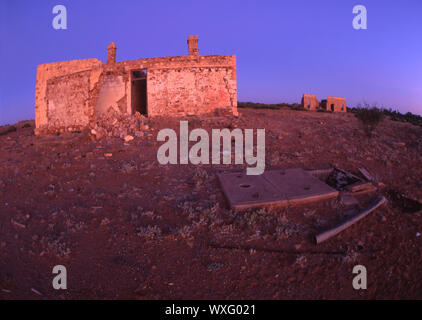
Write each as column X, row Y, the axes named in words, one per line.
column 127, row 227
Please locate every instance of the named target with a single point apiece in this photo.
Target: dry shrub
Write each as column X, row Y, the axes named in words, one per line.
column 369, row 117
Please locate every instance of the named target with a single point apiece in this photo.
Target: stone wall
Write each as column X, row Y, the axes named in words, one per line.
column 68, row 101
column 310, row 102
column 190, row 90
column 208, row 80
column 336, row 104
column 49, row 71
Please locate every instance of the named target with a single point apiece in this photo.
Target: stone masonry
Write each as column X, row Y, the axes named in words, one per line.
column 335, row 104
column 71, row 95
column 310, row 102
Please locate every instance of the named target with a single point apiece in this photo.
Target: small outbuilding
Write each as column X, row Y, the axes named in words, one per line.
column 334, row 104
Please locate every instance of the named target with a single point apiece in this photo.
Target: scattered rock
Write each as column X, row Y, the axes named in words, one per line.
column 128, row 138
column 115, row 124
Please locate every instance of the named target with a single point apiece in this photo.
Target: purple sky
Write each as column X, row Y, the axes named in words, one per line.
column 283, row 48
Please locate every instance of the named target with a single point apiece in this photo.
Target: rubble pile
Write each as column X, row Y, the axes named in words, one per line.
column 120, row 125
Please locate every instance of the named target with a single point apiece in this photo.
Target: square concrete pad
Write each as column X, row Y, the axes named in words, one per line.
column 275, row 187
column 244, row 191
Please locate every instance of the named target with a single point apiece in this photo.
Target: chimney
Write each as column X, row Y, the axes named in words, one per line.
column 193, row 45
column 111, row 53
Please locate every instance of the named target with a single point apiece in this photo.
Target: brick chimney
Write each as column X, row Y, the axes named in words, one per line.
column 111, row 53
column 193, row 45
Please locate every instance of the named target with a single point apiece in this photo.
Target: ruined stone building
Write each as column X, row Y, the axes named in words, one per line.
column 310, row 102
column 72, row 94
column 334, row 104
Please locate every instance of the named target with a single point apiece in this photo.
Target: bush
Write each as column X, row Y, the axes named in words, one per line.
column 370, row 118
column 395, row 115
column 298, row 107
column 408, row 117
column 255, row 105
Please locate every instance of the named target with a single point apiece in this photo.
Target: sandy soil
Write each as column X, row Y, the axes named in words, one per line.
column 127, row 227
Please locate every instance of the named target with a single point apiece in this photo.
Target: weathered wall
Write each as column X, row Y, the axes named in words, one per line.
column 187, row 84
column 190, row 90
column 112, row 94
column 68, row 101
column 310, row 102
column 336, row 104
column 52, row 70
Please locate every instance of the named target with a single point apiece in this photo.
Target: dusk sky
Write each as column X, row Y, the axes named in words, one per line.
column 283, row 48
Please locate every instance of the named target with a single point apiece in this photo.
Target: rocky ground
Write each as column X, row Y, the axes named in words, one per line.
column 127, row 227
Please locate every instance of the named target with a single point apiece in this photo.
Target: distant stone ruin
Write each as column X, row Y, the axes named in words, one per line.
column 334, row 104
column 72, row 95
column 310, row 102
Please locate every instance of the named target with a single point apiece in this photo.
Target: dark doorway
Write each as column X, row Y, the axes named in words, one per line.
column 332, row 107
column 139, row 92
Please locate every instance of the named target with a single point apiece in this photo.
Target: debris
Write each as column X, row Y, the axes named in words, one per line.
column 348, row 200
column 369, row 188
column 105, row 222
column 36, row 291
column 405, row 204
column 336, row 230
column 359, row 186
column 139, row 134
column 321, row 172
column 340, row 179
column 128, row 138
column 399, row 144
column 17, row 224
column 114, row 124
column 347, row 173
column 366, row 174
column 108, row 155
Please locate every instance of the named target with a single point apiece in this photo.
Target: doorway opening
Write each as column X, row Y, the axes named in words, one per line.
column 139, row 92
column 332, row 107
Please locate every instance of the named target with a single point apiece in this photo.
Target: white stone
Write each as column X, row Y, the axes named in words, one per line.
column 128, row 138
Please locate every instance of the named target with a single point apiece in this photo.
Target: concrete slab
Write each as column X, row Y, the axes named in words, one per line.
column 300, row 186
column 275, row 187
column 244, row 191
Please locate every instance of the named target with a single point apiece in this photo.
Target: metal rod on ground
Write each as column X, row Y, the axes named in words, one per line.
column 336, row 230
